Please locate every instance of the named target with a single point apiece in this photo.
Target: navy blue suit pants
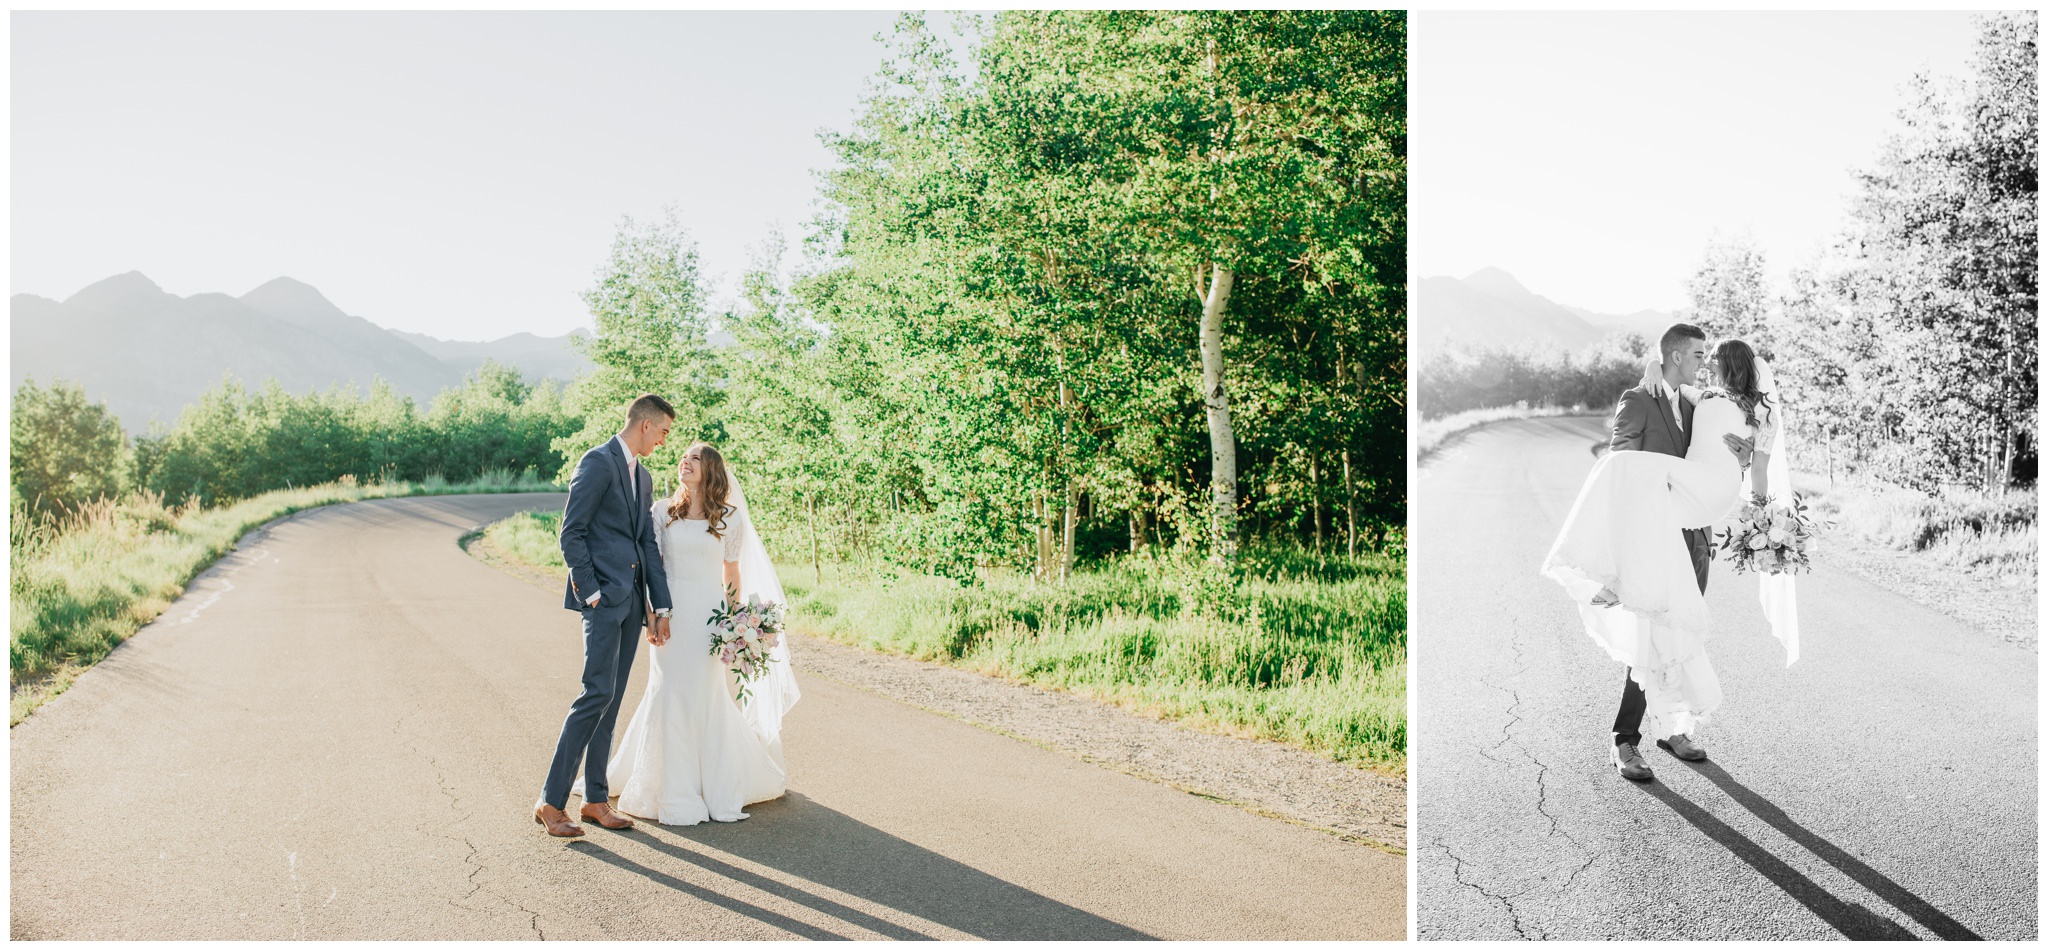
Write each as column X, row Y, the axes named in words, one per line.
column 611, row 636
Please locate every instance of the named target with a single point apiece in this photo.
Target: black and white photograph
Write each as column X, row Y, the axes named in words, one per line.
column 1724, row 542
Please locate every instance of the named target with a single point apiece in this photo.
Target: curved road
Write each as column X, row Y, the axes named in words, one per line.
column 1883, row 787
column 338, row 732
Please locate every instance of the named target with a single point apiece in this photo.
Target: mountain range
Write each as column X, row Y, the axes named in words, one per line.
column 1490, row 307
column 148, row 353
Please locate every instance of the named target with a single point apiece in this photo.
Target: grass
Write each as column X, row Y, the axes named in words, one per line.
column 82, row 584
column 1307, row 650
column 1994, row 533
column 1971, row 554
column 1431, row 434
column 533, row 538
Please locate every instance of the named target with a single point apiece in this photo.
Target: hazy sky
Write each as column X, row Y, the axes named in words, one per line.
column 455, row 174
column 1593, row 155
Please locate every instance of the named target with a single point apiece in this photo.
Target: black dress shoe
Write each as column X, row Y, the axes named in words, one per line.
column 1629, row 763
column 1682, row 747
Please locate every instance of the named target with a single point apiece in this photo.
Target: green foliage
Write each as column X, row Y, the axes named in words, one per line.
column 233, row 443
column 1305, row 649
column 991, row 353
column 63, row 451
column 986, row 357
column 531, row 537
column 650, row 337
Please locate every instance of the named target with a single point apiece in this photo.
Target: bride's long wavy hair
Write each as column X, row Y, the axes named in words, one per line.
column 1736, row 364
column 717, row 485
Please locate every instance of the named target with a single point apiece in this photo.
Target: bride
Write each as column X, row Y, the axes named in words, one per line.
column 1622, row 560
column 691, row 752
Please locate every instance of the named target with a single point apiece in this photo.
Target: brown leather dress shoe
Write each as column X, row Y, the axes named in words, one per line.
column 603, row 814
column 556, row 821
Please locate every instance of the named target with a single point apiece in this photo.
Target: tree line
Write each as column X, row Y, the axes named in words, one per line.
column 1457, row 379
column 1138, row 282
column 236, row 442
column 1115, row 281
column 1908, row 350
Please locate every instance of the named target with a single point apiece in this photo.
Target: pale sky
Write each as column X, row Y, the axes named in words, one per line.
column 454, row 174
column 1593, row 155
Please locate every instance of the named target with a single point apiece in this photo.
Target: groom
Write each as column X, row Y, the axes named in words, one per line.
column 1657, row 418
column 614, row 571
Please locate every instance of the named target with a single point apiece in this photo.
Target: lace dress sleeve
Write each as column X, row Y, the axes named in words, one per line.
column 732, row 538
column 1766, row 428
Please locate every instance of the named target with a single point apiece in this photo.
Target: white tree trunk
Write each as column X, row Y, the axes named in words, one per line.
column 1071, row 516
column 1222, row 441
column 811, row 508
column 1045, row 569
column 1315, row 500
column 1350, row 510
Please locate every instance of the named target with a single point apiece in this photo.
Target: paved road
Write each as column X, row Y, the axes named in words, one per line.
column 1882, row 787
column 338, row 733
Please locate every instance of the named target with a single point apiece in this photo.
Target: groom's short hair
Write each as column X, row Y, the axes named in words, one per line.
column 647, row 407
column 1676, row 333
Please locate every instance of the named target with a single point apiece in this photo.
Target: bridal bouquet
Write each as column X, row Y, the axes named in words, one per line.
column 741, row 637
column 1769, row 539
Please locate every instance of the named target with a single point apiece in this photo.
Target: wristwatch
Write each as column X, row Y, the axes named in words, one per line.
column 661, row 612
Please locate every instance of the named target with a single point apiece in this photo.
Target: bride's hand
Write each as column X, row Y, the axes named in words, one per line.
column 1742, row 448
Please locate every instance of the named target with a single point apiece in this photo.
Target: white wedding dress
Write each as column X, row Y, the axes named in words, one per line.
column 690, row 753
column 1623, row 534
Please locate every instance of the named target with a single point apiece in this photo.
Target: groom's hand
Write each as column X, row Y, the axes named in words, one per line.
column 659, row 635
column 1742, row 448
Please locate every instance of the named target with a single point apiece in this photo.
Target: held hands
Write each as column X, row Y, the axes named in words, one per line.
column 657, row 630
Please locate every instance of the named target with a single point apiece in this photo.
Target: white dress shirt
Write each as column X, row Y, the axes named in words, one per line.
column 1672, row 395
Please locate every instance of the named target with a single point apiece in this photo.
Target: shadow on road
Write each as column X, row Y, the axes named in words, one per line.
column 1851, row 919
column 794, row 927
column 798, row 836
column 1930, row 917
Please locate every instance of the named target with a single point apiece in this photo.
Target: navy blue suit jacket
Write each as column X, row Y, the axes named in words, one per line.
column 608, row 536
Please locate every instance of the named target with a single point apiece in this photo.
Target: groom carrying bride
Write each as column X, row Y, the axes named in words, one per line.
column 615, row 569
column 1657, row 416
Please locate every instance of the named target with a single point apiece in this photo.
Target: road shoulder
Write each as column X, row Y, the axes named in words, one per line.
column 1265, row 778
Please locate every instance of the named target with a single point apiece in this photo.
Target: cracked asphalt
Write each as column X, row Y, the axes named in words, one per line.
column 340, row 729
column 1883, row 787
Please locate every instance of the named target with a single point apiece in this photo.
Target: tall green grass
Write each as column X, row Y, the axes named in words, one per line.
column 1305, row 649
column 531, row 537
column 82, row 583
